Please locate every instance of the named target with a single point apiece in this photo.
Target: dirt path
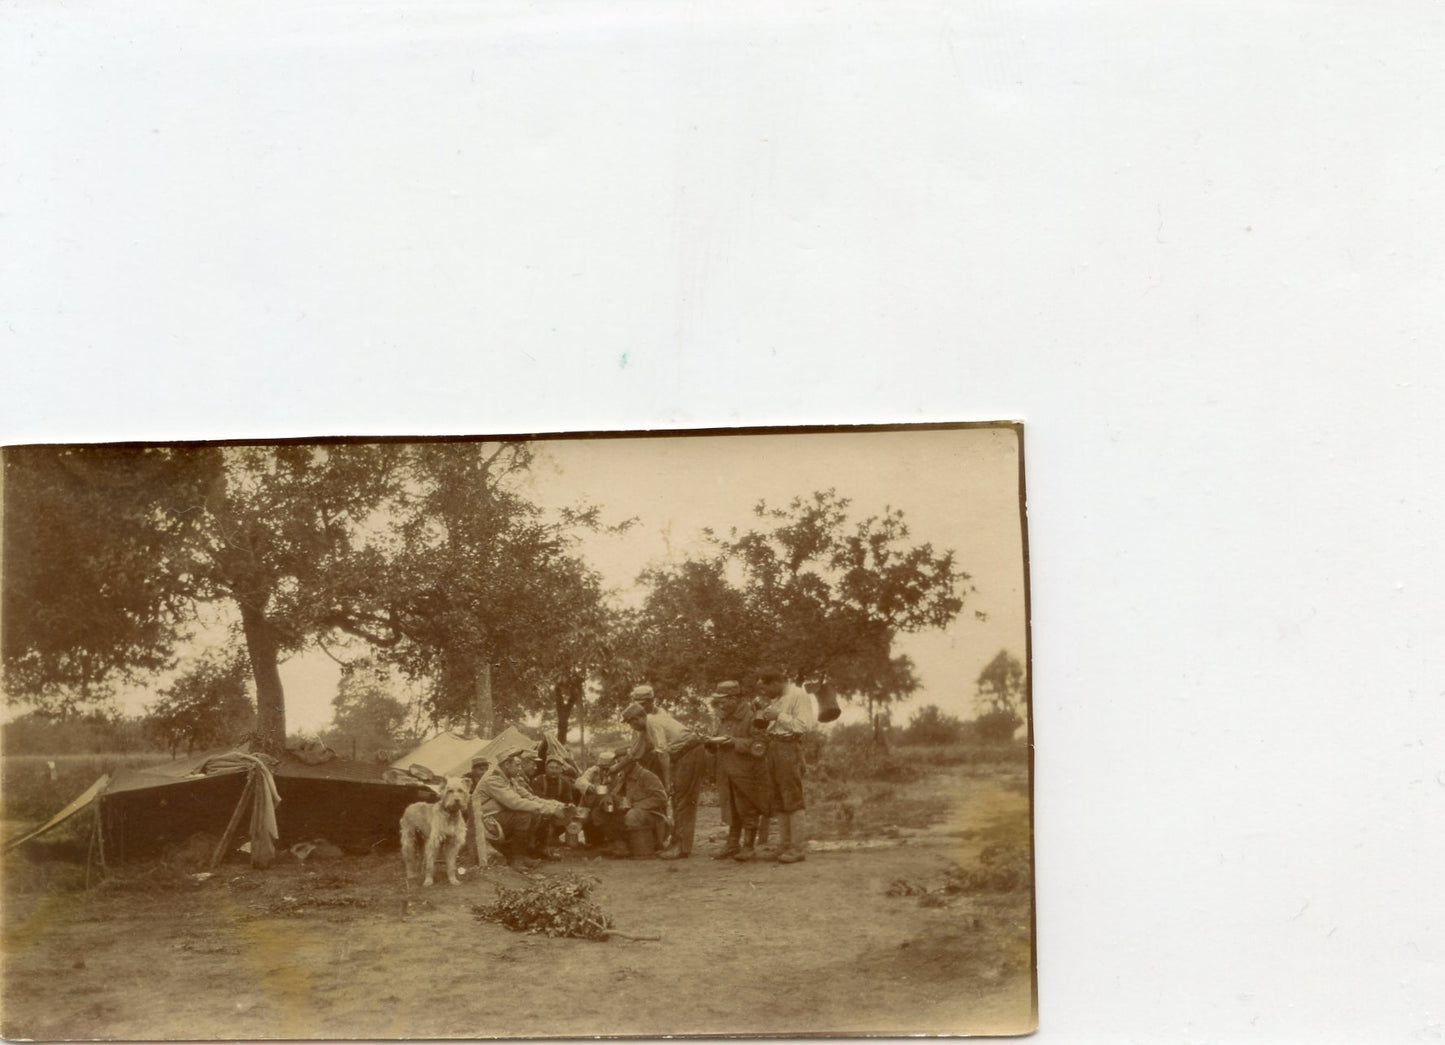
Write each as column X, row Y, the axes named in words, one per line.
column 812, row 948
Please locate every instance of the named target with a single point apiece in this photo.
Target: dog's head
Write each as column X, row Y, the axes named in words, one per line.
column 455, row 794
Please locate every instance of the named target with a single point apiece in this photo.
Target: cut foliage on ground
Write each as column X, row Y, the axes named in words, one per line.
column 553, row 907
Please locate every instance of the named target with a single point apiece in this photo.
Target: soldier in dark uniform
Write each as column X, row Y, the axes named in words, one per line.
column 743, row 783
column 635, row 802
column 557, row 782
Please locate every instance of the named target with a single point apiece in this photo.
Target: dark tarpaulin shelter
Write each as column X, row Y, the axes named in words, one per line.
column 140, row 812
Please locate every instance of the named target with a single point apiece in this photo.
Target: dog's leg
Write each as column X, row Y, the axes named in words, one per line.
column 408, row 853
column 429, row 854
column 456, row 838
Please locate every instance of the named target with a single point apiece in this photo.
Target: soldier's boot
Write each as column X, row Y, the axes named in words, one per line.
column 795, row 841
column 746, row 852
column 765, row 851
column 733, row 846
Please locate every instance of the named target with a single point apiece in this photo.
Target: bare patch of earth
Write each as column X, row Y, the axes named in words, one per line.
column 334, row 951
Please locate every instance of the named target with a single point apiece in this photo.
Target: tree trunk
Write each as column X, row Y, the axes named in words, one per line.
column 264, row 652
column 483, row 693
column 875, row 719
column 564, row 713
column 567, row 695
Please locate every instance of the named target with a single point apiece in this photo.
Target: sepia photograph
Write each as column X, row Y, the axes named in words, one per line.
column 692, row 733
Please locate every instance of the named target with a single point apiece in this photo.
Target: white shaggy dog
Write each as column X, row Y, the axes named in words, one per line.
column 440, row 825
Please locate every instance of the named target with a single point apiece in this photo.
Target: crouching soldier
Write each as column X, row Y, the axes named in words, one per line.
column 592, row 787
column 506, row 812
column 632, row 814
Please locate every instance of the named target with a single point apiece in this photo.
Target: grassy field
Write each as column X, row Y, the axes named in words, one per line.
column 31, row 791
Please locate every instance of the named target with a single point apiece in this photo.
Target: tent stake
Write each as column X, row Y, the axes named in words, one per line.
column 235, row 820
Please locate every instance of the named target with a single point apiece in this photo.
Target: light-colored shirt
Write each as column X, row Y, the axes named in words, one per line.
column 796, row 713
column 496, row 791
column 663, row 731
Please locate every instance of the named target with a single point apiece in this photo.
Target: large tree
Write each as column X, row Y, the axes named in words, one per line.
column 428, row 552
column 488, row 600
column 95, row 589
column 809, row 588
column 279, row 534
column 695, row 629
column 295, row 545
column 559, row 651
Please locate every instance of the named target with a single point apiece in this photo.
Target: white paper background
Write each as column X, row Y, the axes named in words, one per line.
column 1197, row 246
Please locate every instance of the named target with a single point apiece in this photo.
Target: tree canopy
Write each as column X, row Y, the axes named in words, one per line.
column 207, row 705
column 1000, row 684
column 808, row 588
column 96, row 583
column 489, row 600
column 435, row 559
column 427, row 552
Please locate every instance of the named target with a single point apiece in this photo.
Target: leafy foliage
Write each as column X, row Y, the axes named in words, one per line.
column 116, row 546
column 996, row 727
column 1001, row 684
column 428, row 553
column 94, row 587
column 851, row 753
column 205, row 706
column 485, row 592
column 293, row 543
column 929, row 725
column 366, row 717
column 809, row 589
column 554, row 907
column 37, row 732
column 33, row 787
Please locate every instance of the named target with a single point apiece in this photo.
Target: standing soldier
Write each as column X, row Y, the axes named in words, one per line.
column 675, row 753
column 743, row 784
column 789, row 718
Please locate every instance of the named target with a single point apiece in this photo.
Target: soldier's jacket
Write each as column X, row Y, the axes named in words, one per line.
column 643, row 790
column 740, row 727
column 560, row 788
column 496, row 791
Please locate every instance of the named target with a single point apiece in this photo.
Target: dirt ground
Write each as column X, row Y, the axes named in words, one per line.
column 859, row 938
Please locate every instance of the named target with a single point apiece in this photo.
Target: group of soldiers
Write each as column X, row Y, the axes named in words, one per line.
column 640, row 801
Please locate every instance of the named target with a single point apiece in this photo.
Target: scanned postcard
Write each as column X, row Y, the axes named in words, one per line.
column 667, row 734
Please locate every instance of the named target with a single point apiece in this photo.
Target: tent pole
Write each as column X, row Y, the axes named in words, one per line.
column 235, row 821
column 90, row 849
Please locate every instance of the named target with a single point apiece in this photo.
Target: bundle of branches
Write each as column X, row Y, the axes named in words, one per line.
column 554, row 906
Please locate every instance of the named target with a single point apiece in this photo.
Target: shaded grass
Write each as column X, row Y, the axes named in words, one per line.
column 28, row 792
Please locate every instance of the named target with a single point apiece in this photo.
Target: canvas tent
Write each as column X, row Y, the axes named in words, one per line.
column 141, row 812
column 451, row 754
